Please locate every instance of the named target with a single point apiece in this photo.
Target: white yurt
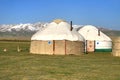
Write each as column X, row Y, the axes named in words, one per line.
column 96, row 41
column 57, row 38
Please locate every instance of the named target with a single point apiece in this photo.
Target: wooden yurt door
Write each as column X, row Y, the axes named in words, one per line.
column 90, row 46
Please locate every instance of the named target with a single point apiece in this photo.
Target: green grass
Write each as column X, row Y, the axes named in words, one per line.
column 24, row 66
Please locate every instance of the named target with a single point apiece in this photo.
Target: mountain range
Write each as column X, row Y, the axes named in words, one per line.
column 25, row 31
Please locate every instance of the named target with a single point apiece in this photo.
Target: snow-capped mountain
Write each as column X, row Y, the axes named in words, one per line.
column 22, row 27
column 18, row 31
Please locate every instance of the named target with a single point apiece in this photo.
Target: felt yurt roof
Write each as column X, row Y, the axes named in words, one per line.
column 90, row 32
column 57, row 31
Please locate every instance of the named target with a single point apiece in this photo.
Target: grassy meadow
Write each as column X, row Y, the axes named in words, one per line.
column 25, row 66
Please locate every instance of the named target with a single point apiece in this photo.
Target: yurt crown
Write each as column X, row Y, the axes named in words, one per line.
column 57, row 21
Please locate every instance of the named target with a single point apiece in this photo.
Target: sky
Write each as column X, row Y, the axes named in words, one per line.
column 105, row 13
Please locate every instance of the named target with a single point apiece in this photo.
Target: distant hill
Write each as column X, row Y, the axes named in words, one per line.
column 25, row 31
column 111, row 32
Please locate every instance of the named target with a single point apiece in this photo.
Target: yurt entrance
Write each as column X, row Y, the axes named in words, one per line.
column 90, row 46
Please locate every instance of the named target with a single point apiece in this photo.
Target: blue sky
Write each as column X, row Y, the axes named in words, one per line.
column 105, row 13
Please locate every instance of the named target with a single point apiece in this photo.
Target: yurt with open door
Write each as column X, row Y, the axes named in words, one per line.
column 96, row 41
column 57, row 38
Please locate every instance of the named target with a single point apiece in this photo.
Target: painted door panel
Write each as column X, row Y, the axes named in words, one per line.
column 90, row 46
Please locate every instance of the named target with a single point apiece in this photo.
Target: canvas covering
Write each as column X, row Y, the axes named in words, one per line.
column 90, row 32
column 56, row 31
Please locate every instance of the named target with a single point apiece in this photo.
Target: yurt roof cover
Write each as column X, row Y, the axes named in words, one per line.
column 57, row 30
column 90, row 32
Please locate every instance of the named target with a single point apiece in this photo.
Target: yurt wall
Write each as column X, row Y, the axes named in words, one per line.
column 98, row 46
column 74, row 47
column 116, row 47
column 41, row 47
column 57, row 47
column 103, row 46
